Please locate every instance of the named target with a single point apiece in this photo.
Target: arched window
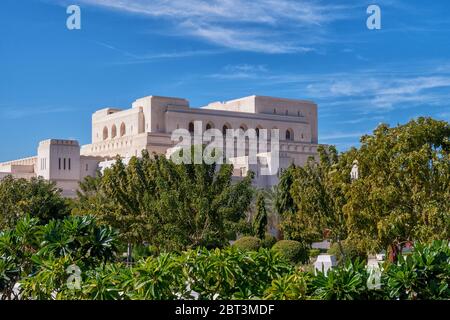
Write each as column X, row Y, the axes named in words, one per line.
column 105, row 133
column 243, row 127
column 258, row 128
column 123, row 129
column 209, row 125
column 113, row 131
column 289, row 134
column 225, row 127
column 191, row 127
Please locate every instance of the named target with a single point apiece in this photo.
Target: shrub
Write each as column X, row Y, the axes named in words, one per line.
column 347, row 282
column 231, row 273
column 269, row 241
column 294, row 251
column 350, row 252
column 423, row 274
column 142, row 251
column 313, row 253
column 248, row 243
column 290, row 287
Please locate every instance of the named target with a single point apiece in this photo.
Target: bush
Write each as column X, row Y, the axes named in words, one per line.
column 313, row 253
column 350, row 251
column 423, row 274
column 294, row 251
column 346, row 282
column 142, row 251
column 269, row 241
column 248, row 243
column 292, row 286
column 231, row 273
column 201, row 274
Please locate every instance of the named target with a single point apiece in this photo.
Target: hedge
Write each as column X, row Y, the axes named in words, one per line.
column 248, row 243
column 294, row 251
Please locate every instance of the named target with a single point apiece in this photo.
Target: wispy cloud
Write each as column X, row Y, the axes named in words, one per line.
column 240, row 71
column 363, row 120
column 340, row 135
column 258, row 26
column 364, row 90
column 150, row 57
column 14, row 113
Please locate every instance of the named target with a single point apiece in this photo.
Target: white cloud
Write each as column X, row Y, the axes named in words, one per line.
column 340, row 135
column 363, row 91
column 258, row 26
column 18, row 113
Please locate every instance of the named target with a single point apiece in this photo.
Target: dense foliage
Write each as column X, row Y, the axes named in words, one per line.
column 42, row 267
column 260, row 222
column 30, row 247
column 37, row 197
column 293, row 251
column 171, row 206
column 248, row 243
column 401, row 194
column 181, row 218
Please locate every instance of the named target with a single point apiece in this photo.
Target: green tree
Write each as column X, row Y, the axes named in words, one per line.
column 30, row 248
column 317, row 193
column 37, row 197
column 260, row 221
column 403, row 190
column 284, row 203
column 172, row 206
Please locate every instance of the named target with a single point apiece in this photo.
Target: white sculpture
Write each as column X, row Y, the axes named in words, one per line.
column 354, row 174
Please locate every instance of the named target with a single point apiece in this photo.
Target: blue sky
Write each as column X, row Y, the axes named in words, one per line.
column 52, row 79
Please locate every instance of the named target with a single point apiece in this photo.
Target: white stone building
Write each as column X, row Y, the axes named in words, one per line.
column 149, row 123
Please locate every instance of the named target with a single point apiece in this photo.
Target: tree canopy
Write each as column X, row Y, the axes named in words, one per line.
column 401, row 194
column 172, row 206
column 39, row 198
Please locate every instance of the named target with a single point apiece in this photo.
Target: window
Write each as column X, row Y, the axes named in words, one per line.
column 191, row 127
column 87, row 167
column 113, row 131
column 243, row 127
column 64, row 163
column 122, row 129
column 289, row 134
column 225, row 128
column 69, row 163
column 59, row 163
column 209, row 126
column 105, row 133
